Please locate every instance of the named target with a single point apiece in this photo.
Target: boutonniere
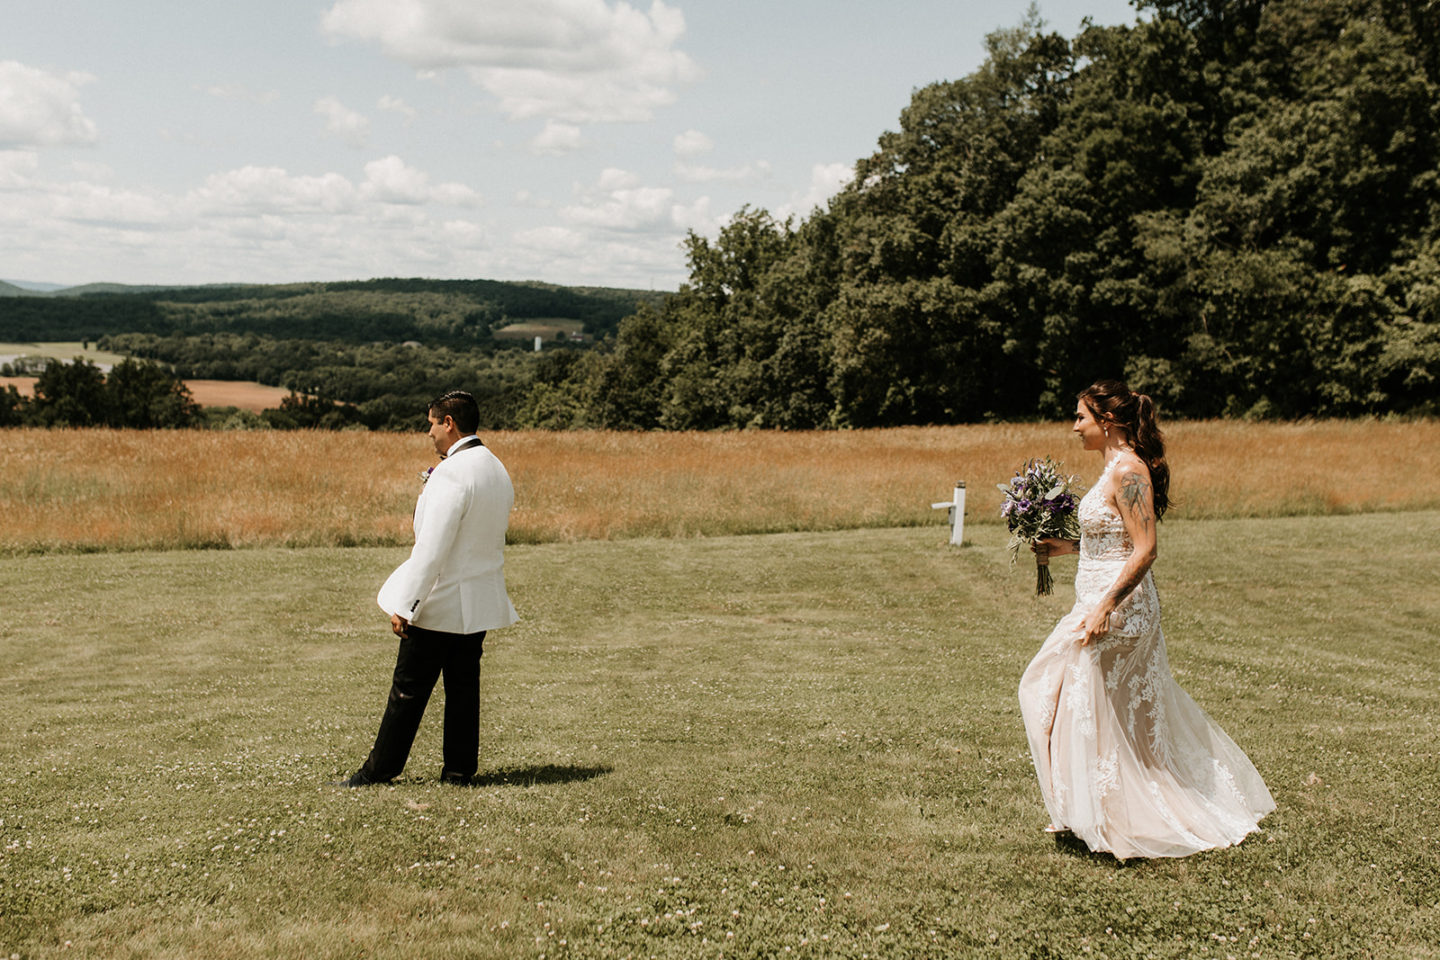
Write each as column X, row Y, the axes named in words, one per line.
column 425, row 474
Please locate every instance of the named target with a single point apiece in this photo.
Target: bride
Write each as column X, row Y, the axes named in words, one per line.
column 1127, row 762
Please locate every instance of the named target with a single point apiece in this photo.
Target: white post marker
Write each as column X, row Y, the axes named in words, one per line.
column 957, row 514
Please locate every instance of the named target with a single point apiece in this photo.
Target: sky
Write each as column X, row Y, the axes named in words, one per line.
column 571, row 141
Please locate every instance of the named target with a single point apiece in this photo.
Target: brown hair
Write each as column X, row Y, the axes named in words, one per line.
column 1111, row 401
column 460, row 407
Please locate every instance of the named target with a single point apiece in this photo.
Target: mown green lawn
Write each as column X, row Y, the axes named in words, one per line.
column 799, row 745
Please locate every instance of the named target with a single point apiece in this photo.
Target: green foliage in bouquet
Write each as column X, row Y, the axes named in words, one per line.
column 1038, row 504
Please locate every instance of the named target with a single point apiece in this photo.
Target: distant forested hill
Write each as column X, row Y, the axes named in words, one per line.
column 431, row 311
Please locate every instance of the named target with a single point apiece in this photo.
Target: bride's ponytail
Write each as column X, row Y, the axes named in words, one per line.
column 1150, row 447
column 1135, row 412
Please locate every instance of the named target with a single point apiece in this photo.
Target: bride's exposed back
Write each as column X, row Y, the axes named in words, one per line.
column 1126, row 760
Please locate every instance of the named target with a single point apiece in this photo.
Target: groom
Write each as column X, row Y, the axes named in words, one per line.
column 444, row 598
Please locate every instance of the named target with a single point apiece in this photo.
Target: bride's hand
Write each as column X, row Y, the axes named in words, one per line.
column 1095, row 625
column 1053, row 547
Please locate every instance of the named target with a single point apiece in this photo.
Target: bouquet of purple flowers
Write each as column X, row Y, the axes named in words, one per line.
column 1039, row 504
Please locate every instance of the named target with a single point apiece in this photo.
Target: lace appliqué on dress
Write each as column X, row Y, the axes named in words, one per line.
column 1169, row 782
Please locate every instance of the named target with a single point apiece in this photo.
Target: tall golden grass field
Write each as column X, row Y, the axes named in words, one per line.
column 119, row 489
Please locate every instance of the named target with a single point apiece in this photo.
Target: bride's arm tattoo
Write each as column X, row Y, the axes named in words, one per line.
column 1129, row 579
column 1135, row 497
column 1134, row 500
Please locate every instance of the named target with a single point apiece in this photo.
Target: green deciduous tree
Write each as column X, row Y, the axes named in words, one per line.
column 71, row 395
column 144, row 395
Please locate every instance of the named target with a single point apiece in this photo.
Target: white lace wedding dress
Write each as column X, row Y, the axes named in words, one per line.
column 1126, row 760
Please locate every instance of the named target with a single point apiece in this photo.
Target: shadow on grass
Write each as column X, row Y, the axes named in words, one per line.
column 1071, row 845
column 537, row 774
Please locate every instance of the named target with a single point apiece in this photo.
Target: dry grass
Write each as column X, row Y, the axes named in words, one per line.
column 133, row 490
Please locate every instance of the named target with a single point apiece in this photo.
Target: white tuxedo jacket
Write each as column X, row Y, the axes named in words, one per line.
column 454, row 580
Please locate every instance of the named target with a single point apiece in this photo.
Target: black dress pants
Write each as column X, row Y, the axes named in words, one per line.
column 423, row 657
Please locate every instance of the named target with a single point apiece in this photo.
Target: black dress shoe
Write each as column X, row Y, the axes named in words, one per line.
column 455, row 779
column 354, row 780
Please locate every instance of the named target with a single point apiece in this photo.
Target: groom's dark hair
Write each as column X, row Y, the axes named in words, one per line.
column 458, row 406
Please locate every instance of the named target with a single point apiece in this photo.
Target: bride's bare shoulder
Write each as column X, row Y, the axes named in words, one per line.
column 1129, row 462
column 1127, row 470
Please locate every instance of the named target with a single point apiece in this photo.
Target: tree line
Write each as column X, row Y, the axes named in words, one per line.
column 332, row 384
column 382, row 386
column 135, row 393
column 1232, row 204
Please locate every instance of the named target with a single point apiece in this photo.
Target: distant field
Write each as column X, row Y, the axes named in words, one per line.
column 243, row 394
column 547, row 327
column 246, row 395
column 58, row 350
column 244, row 489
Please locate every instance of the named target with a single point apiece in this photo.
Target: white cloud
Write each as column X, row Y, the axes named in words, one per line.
column 575, row 61
column 342, row 122
column 552, row 240
column 826, row 180
column 745, row 173
column 618, row 203
column 391, row 180
column 391, row 104
column 42, row 207
column 255, row 223
column 88, row 170
column 692, row 144
column 697, row 217
column 642, row 208
column 252, row 191
column 455, row 195
column 16, row 169
column 613, row 178
column 239, row 91
column 39, row 108
column 581, row 256
column 556, row 139
column 88, row 203
column 386, row 217
column 463, row 234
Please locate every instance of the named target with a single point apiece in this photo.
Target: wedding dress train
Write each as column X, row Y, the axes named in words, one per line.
column 1126, row 760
